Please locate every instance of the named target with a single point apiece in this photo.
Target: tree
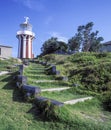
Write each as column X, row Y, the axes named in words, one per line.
column 62, row 46
column 52, row 45
column 74, row 43
column 96, row 44
column 85, row 39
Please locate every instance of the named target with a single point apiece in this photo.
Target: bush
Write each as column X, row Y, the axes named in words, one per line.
column 96, row 78
column 101, row 55
column 106, row 100
column 83, row 59
column 49, row 58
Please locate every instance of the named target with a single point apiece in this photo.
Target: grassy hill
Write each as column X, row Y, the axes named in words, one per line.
column 88, row 73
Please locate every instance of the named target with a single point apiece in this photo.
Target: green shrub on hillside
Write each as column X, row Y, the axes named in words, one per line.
column 49, row 58
column 96, row 78
column 103, row 55
column 82, row 57
column 90, row 70
column 106, row 100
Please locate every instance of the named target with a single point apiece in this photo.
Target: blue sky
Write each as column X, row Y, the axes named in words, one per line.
column 58, row 18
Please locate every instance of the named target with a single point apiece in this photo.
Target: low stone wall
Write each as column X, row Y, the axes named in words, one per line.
column 29, row 91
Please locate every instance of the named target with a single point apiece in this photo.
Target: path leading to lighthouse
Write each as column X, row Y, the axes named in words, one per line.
column 51, row 88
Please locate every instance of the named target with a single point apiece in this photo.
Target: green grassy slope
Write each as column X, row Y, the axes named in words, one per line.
column 91, row 71
column 37, row 77
column 48, row 81
column 16, row 114
column 88, row 113
column 8, row 65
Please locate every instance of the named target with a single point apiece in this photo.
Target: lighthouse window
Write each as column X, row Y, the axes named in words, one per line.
column 0, row 51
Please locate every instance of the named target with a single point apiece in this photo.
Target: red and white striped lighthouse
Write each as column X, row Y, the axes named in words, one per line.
column 25, row 37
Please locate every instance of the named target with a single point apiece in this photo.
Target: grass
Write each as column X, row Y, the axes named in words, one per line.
column 6, row 65
column 12, row 113
column 62, row 96
column 37, row 77
column 92, row 70
column 16, row 114
column 44, row 85
column 36, row 72
column 90, row 110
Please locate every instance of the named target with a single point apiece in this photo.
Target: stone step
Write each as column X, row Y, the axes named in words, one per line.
column 49, row 81
column 37, row 75
column 36, row 69
column 54, row 89
column 77, row 100
column 4, row 72
column 34, row 72
column 44, row 81
column 31, row 71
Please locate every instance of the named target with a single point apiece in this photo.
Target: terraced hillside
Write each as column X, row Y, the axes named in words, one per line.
column 91, row 71
column 17, row 114
column 50, row 87
column 88, row 112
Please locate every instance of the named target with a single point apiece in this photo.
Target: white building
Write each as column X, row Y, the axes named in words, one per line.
column 5, row 51
column 106, row 47
column 25, row 37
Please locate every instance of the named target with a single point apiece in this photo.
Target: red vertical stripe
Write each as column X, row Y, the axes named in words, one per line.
column 31, row 48
column 27, row 46
column 21, row 49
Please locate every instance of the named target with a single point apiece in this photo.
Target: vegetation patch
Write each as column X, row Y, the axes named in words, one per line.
column 63, row 96
column 92, row 114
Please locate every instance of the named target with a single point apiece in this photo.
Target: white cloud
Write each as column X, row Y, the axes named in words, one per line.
column 32, row 4
column 59, row 36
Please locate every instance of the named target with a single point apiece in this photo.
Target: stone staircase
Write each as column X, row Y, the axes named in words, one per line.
column 51, row 88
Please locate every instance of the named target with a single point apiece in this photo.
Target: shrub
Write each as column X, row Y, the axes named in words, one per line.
column 96, row 78
column 84, row 59
column 49, row 58
column 106, row 100
column 101, row 55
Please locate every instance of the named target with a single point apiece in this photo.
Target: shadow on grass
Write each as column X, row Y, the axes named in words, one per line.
column 9, row 82
column 18, row 96
column 11, row 85
column 7, row 79
column 37, row 114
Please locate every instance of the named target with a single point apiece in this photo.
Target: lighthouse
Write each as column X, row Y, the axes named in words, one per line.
column 25, row 37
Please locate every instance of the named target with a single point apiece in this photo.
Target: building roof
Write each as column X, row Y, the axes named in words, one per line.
column 5, row 46
column 107, row 43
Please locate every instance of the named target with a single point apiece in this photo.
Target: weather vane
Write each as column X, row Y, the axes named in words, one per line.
column 26, row 19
